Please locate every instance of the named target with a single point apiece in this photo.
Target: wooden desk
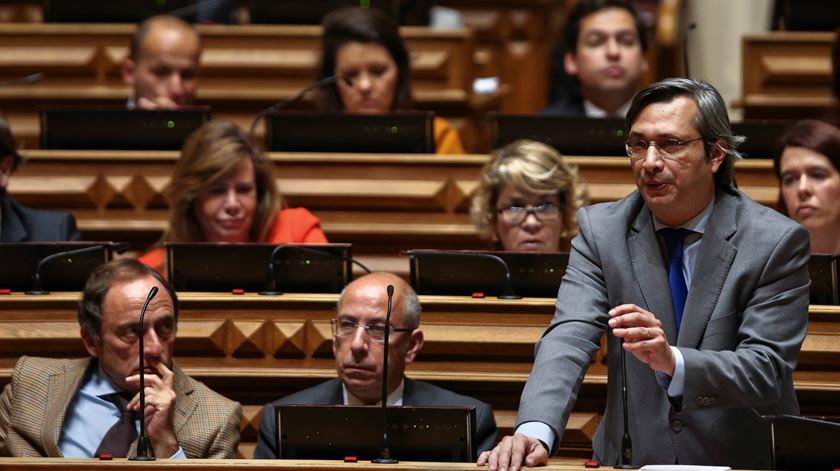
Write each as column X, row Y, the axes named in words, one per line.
column 382, row 203
column 68, row 464
column 787, row 75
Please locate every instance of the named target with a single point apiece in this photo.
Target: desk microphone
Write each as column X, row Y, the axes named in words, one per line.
column 31, row 78
column 288, row 101
column 507, row 292
column 37, row 286
column 271, row 280
column 626, row 458
column 385, row 452
column 143, row 451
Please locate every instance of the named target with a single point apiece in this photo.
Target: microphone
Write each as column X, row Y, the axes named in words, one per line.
column 689, row 28
column 288, row 101
column 271, row 281
column 37, row 286
column 385, row 452
column 143, row 451
column 31, row 78
column 507, row 291
column 626, row 459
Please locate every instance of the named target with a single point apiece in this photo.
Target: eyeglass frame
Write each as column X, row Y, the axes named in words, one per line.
column 367, row 327
column 681, row 145
column 535, row 210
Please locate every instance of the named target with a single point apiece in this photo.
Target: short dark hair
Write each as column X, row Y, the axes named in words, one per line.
column 812, row 134
column 584, row 8
column 712, row 120
column 146, row 26
column 100, row 282
column 363, row 25
column 8, row 146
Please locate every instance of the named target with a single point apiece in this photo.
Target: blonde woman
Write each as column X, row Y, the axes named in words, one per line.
column 527, row 198
column 223, row 190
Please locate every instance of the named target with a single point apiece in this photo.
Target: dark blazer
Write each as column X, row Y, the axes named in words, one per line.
column 34, row 404
column 23, row 224
column 744, row 323
column 416, row 393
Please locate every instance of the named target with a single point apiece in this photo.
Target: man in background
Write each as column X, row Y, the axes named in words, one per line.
column 358, row 342
column 604, row 45
column 163, row 64
column 19, row 223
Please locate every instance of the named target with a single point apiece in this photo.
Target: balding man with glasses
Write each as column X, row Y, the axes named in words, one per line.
column 705, row 289
column 358, row 341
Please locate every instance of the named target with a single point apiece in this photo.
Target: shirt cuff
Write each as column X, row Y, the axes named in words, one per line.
column 675, row 389
column 179, row 455
column 538, row 430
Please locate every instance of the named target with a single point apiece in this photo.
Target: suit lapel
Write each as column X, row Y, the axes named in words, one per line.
column 185, row 402
column 649, row 270
column 62, row 390
column 714, row 260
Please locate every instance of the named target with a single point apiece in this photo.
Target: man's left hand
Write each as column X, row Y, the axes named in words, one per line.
column 643, row 337
column 159, row 412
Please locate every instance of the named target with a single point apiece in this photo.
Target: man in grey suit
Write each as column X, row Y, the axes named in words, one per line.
column 696, row 387
column 358, row 339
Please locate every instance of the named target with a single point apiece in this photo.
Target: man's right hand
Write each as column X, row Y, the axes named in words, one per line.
column 514, row 451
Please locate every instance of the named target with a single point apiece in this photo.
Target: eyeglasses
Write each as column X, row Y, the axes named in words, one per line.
column 668, row 148
column 375, row 332
column 515, row 215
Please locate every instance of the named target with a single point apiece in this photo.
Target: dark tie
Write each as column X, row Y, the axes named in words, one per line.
column 679, row 291
column 122, row 434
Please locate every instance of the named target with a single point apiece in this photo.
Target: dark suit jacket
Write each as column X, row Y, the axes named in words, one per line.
column 22, row 224
column 34, row 404
column 567, row 106
column 416, row 393
column 743, row 325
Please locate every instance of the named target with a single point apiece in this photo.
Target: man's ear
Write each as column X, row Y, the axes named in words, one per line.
column 91, row 344
column 415, row 344
column 717, row 155
column 7, row 165
column 570, row 64
column 127, row 70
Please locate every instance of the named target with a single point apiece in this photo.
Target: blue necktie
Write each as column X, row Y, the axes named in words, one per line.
column 679, row 290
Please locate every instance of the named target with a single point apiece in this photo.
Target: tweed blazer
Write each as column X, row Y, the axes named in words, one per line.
column 34, row 405
column 742, row 329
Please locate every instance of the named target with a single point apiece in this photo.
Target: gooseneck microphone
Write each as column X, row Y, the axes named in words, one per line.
column 37, row 286
column 31, row 78
column 271, row 280
column 688, row 29
column 507, row 291
column 143, row 451
column 626, row 443
column 288, row 101
column 385, row 452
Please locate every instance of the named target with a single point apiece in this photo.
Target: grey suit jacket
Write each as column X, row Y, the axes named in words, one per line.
column 416, row 393
column 744, row 323
column 23, row 224
column 34, row 405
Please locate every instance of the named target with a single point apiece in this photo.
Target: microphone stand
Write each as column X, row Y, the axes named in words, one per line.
column 143, row 451
column 271, row 281
column 626, row 444
column 37, row 285
column 507, row 292
column 31, row 78
column 385, row 452
column 288, row 101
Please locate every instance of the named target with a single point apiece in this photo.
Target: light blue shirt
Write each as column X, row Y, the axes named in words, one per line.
column 89, row 418
column 675, row 384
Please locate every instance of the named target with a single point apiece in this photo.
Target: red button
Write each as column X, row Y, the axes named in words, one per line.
column 351, row 459
column 237, row 291
column 478, row 294
column 5, row 291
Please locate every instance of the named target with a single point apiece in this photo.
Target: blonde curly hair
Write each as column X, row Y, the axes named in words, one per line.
column 532, row 167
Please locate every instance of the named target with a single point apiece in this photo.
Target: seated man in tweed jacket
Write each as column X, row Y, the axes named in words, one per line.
column 70, row 408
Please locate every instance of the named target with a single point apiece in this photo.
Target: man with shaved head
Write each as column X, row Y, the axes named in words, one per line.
column 163, row 64
column 358, row 340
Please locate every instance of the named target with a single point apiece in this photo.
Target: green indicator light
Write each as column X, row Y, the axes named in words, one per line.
column 308, row 262
column 364, row 3
column 619, row 133
column 395, row 129
column 170, row 124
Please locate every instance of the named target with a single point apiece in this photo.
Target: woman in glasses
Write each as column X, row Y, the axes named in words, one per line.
column 527, row 198
column 808, row 166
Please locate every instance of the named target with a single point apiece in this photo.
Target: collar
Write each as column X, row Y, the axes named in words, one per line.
column 695, row 224
column 593, row 111
column 394, row 399
column 98, row 384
